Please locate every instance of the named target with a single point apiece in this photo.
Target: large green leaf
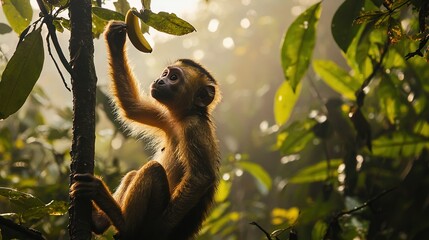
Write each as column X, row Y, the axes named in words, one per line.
column 54, row 208
column 298, row 45
column 18, row 13
column 21, row 73
column 262, row 177
column 399, row 144
column 342, row 27
column 296, row 136
column 317, row 172
column 165, row 22
column 22, row 200
column 337, row 78
column 284, row 102
column 107, row 14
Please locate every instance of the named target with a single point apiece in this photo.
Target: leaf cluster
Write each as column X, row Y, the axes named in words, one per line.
column 374, row 124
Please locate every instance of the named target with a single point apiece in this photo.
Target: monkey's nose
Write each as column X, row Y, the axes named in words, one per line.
column 159, row 82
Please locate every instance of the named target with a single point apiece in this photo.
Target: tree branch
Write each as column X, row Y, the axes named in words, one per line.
column 25, row 232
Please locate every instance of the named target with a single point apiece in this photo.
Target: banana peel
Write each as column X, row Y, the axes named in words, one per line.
column 135, row 34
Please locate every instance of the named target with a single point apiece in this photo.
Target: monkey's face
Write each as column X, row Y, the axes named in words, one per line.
column 166, row 88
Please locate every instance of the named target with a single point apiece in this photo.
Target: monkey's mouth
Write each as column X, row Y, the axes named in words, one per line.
column 154, row 92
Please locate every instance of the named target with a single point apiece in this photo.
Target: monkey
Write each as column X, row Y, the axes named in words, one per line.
column 168, row 197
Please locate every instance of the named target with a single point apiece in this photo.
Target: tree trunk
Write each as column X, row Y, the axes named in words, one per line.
column 84, row 88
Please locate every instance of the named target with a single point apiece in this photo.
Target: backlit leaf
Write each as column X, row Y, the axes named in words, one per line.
column 281, row 215
column 337, row 78
column 21, row 73
column 223, row 191
column 18, row 13
column 296, row 136
column 107, row 14
column 166, row 22
column 298, row 45
column 284, row 102
column 262, row 177
column 399, row 144
column 317, row 172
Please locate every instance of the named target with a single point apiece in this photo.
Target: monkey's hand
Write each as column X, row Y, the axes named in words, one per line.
column 115, row 35
column 86, row 185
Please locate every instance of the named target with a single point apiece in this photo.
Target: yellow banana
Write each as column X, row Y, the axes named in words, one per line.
column 135, row 34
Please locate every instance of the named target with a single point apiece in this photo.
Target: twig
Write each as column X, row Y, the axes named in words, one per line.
column 28, row 232
column 48, row 19
column 262, row 229
column 335, row 219
column 360, row 93
column 55, row 62
column 418, row 52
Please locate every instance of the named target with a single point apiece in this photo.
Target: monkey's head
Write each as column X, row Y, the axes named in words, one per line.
column 186, row 87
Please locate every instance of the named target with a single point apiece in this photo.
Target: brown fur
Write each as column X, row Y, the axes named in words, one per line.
column 167, row 198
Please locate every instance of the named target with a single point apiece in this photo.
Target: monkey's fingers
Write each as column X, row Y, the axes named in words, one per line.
column 86, row 177
column 85, row 189
column 117, row 26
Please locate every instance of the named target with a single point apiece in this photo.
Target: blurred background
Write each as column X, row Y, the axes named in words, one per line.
column 295, row 189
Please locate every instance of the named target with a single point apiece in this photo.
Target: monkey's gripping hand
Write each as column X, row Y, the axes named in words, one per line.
column 115, row 35
column 86, row 185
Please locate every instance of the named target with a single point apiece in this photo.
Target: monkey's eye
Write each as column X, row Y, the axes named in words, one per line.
column 173, row 77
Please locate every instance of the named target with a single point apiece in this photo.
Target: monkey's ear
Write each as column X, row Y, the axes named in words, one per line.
column 205, row 96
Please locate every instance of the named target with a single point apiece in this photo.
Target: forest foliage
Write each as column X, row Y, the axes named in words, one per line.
column 355, row 165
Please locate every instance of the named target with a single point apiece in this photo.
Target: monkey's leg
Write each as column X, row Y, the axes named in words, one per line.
column 123, row 186
column 144, row 202
column 100, row 221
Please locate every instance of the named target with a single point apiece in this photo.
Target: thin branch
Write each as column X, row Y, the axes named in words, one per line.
column 262, row 229
column 366, row 204
column 335, row 219
column 28, row 232
column 48, row 19
column 418, row 52
column 360, row 93
column 55, row 63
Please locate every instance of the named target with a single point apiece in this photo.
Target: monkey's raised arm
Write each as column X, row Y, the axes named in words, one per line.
column 129, row 100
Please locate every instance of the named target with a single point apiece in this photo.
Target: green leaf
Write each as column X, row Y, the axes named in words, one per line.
column 18, row 13
column 284, row 102
column 22, row 200
column 107, row 14
column 342, row 27
column 223, row 191
column 4, row 28
column 122, row 6
column 261, row 176
column 337, row 78
column 146, row 4
column 166, row 22
column 98, row 26
column 298, row 45
column 399, row 144
column 317, row 172
column 54, row 208
column 319, row 230
column 296, row 136
column 21, row 73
